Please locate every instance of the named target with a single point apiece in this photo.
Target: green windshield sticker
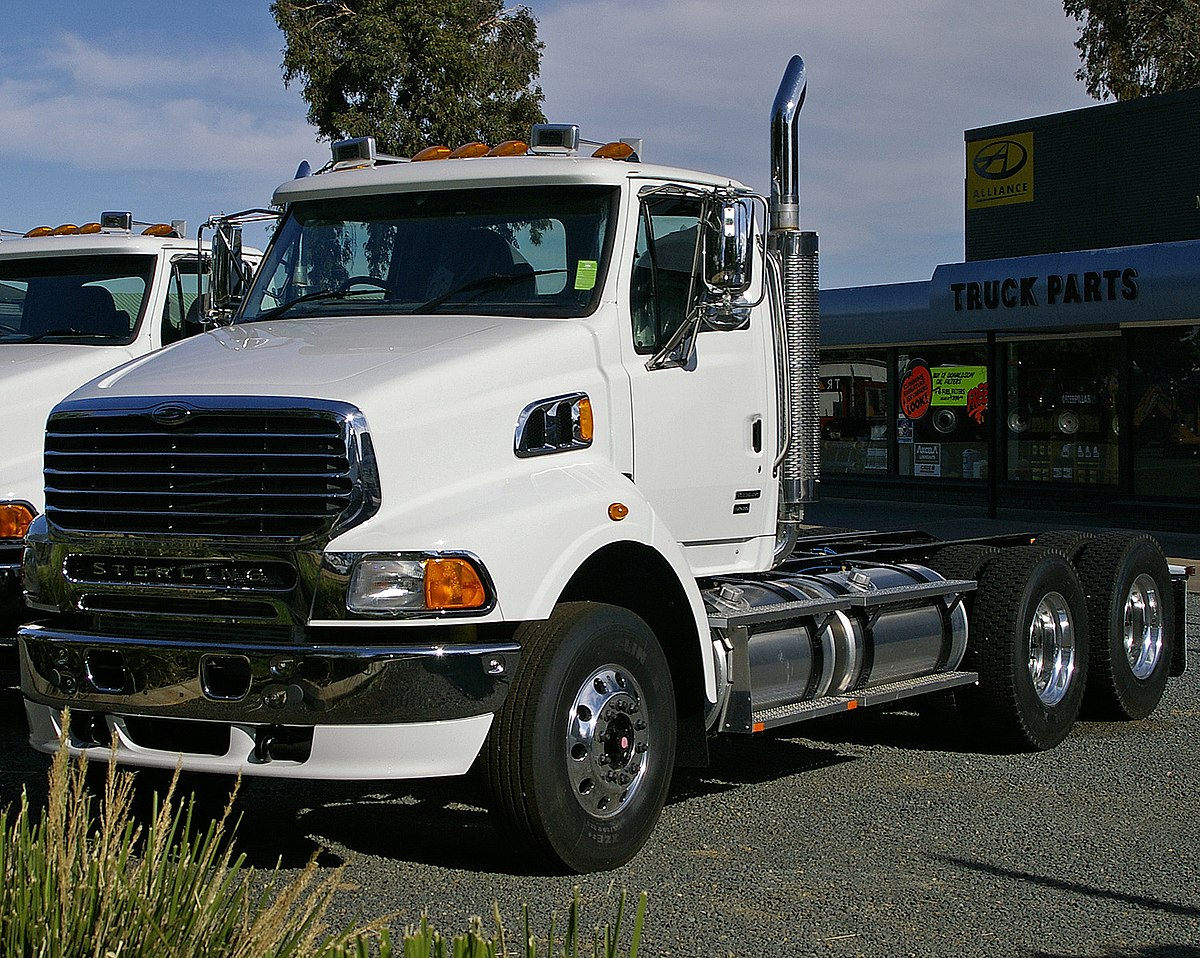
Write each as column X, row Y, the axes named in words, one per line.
column 585, row 274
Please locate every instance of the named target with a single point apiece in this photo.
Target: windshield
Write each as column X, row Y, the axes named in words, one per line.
column 512, row 251
column 95, row 300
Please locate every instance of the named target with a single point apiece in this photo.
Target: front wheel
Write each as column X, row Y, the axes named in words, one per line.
column 580, row 756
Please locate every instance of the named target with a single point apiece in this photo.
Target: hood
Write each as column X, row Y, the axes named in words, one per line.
column 33, row 377
column 345, row 358
column 442, row 396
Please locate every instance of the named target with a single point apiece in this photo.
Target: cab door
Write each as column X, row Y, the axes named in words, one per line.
column 703, row 431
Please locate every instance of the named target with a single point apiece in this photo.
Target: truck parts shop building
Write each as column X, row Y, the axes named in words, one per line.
column 1059, row 364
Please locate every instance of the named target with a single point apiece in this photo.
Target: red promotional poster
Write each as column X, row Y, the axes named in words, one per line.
column 916, row 390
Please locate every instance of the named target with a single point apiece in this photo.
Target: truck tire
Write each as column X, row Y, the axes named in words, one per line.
column 1132, row 616
column 958, row 561
column 962, row 560
column 1029, row 625
column 1067, row 541
column 579, row 759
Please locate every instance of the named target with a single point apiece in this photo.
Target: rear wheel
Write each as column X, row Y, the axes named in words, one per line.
column 1030, row 634
column 1132, row 615
column 1067, row 541
column 580, row 756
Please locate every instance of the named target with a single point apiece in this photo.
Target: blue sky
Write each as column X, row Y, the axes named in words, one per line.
column 177, row 110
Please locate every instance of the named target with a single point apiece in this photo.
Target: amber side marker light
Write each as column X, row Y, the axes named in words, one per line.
column 14, row 520
column 587, row 422
column 618, row 511
column 453, row 583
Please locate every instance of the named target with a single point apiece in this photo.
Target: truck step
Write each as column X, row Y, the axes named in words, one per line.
column 833, row 704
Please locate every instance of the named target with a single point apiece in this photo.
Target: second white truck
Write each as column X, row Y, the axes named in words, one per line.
column 76, row 301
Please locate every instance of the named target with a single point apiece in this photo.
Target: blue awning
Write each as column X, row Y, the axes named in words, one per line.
column 1056, row 292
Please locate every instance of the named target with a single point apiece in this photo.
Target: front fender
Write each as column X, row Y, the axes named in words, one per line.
column 532, row 531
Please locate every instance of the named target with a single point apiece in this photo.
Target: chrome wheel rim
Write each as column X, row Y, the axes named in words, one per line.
column 1052, row 649
column 608, row 741
column 1143, row 626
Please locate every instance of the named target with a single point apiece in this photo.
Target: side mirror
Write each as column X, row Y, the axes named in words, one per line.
column 227, row 284
column 728, row 246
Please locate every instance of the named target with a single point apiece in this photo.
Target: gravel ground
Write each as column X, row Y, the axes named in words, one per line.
column 881, row 833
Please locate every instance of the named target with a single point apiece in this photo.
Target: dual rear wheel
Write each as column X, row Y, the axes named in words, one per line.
column 1054, row 638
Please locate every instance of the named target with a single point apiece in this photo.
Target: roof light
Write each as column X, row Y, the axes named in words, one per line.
column 509, row 148
column 65, row 230
column 88, row 228
column 353, row 154
column 616, row 151
column 469, row 151
column 432, row 153
column 160, row 229
column 40, row 231
column 554, row 138
column 116, row 221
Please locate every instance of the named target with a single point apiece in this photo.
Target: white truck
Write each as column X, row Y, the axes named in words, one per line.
column 76, row 301
column 501, row 466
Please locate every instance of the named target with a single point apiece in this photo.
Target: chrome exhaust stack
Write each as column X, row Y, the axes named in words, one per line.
column 797, row 251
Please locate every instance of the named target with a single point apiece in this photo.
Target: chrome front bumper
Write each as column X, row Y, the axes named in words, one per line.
column 300, row 711
column 263, row 683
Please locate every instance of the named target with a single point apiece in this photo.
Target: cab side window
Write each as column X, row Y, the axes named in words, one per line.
column 181, row 315
column 664, row 287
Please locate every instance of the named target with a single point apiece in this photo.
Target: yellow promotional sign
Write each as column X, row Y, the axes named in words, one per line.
column 953, row 384
column 1000, row 171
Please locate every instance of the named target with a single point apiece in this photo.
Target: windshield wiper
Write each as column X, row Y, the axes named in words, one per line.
column 276, row 311
column 480, row 285
column 66, row 331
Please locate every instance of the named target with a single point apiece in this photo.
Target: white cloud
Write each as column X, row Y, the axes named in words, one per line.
column 891, row 88
column 221, row 110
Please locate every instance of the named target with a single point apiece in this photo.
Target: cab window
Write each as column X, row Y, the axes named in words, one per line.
column 181, row 315
column 664, row 287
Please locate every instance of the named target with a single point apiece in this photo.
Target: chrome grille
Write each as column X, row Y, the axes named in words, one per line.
column 208, row 468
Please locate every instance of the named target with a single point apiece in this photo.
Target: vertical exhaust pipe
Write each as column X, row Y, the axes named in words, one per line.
column 797, row 252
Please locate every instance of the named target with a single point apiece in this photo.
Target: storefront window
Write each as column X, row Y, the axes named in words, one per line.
column 853, row 411
column 1061, row 410
column 941, row 423
column 1166, row 412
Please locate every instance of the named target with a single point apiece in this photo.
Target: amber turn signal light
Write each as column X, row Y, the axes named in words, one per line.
column 14, row 520
column 453, row 583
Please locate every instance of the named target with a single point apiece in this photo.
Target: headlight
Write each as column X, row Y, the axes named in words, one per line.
column 385, row 585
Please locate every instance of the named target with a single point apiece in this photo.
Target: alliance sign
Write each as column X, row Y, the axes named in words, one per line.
column 1000, row 171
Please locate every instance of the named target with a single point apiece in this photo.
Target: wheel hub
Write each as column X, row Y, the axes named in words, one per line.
column 607, row 742
column 1143, row 629
column 1052, row 649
